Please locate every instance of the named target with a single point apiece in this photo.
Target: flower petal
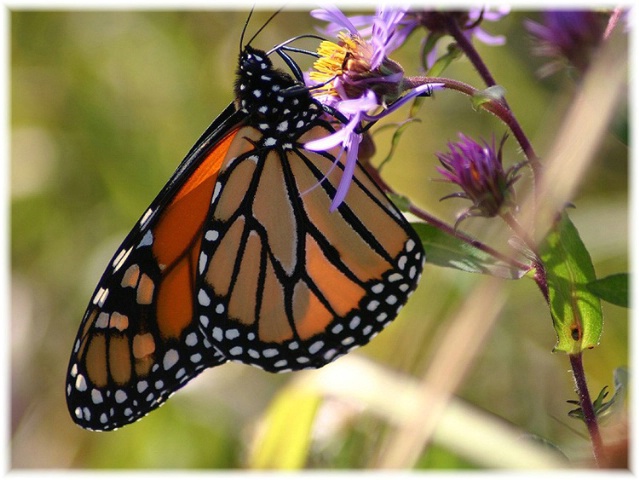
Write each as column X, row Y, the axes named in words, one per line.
column 347, row 174
column 334, row 15
column 334, row 139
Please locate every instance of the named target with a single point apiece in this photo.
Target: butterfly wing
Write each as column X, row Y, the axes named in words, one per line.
column 304, row 285
column 138, row 341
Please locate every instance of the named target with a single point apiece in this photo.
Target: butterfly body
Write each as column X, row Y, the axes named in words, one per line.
column 239, row 259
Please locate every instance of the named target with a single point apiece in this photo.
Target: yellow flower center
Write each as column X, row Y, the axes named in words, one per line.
column 333, row 60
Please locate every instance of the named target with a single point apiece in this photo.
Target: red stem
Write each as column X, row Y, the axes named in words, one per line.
column 469, row 49
column 576, row 362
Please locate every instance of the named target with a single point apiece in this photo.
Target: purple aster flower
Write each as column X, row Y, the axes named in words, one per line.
column 568, row 37
column 356, row 78
column 478, row 170
column 354, row 65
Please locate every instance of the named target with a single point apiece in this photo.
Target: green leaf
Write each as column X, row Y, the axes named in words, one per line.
column 453, row 52
column 401, row 201
column 445, row 250
column 575, row 311
column 612, row 289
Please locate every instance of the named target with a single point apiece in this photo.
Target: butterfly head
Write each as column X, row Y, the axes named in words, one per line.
column 278, row 105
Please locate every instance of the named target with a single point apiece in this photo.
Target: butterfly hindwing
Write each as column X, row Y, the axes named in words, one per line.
column 284, row 283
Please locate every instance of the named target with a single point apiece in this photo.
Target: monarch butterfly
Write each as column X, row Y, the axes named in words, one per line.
column 238, row 258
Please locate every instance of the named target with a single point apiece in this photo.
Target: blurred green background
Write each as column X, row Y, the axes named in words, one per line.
column 104, row 105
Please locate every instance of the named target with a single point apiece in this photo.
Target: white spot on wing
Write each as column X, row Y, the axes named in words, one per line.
column 395, row 277
column 80, row 383
column 145, row 217
column 203, row 298
column 102, row 321
column 120, row 396
column 283, row 126
column 96, row 396
column 119, row 260
column 191, row 339
column 315, row 347
column 269, row 352
column 202, row 262
column 100, row 296
column 216, row 192
column 170, row 358
column 372, row 305
column 218, row 334
column 147, row 240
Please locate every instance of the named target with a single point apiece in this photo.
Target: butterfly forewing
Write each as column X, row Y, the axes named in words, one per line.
column 138, row 341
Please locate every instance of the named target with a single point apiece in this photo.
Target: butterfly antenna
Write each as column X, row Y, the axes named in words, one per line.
column 265, row 24
column 248, row 19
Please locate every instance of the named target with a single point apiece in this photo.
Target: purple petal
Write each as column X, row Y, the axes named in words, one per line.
column 431, row 58
column 334, row 15
column 497, row 14
column 488, row 39
column 355, row 106
column 339, row 137
column 328, row 142
column 347, row 174
column 386, row 36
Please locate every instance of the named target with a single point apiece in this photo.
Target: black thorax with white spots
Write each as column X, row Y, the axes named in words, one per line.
column 281, row 108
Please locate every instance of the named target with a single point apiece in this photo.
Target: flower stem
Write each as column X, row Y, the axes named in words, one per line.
column 576, row 362
column 469, row 49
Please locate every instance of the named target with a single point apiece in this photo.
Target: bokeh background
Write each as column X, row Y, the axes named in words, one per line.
column 104, row 105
